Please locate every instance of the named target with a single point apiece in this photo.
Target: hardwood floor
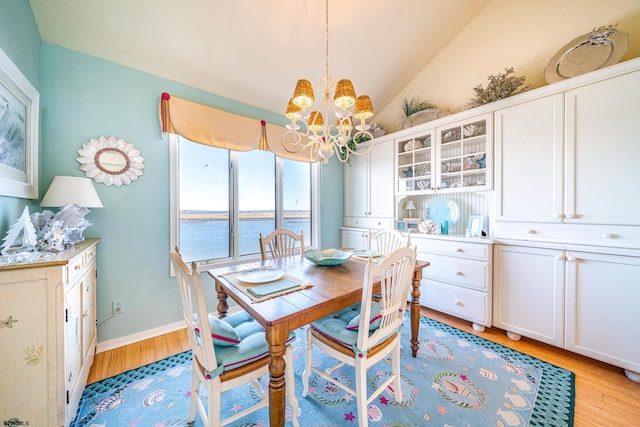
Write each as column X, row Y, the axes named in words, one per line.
column 604, row 395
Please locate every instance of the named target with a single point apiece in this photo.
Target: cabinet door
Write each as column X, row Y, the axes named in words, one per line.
column 529, row 161
column 88, row 312
column 602, row 308
column 354, row 239
column 528, row 289
column 464, row 153
column 25, row 353
column 381, row 181
column 603, row 152
column 356, row 186
column 72, row 335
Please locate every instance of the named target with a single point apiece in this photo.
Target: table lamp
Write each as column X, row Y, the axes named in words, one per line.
column 409, row 206
column 73, row 195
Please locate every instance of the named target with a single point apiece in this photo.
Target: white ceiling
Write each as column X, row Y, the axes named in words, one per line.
column 254, row 51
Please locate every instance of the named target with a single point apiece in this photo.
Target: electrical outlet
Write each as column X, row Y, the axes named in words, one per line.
column 117, row 306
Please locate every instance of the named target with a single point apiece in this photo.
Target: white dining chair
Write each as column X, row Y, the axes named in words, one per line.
column 386, row 241
column 366, row 333
column 226, row 353
column 281, row 242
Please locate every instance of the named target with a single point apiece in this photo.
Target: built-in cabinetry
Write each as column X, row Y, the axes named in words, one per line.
column 47, row 336
column 458, row 279
column 567, row 218
column 454, row 157
column 564, row 163
column 368, row 188
column 368, row 194
column 577, row 298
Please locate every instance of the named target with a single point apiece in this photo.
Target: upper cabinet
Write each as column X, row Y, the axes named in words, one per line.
column 564, row 162
column 454, row 157
column 368, row 190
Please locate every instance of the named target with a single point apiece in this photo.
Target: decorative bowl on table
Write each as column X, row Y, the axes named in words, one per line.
column 327, row 256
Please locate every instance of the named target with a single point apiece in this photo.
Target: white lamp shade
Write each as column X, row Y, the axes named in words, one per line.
column 71, row 190
column 409, row 205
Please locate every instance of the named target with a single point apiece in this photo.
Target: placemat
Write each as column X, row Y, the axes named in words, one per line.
column 265, row 291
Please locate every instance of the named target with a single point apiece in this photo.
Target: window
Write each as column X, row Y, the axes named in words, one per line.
column 222, row 200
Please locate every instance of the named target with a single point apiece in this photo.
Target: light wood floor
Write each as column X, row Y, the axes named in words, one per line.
column 604, row 395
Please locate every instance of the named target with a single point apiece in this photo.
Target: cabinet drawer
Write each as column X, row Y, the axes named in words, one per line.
column 597, row 235
column 476, row 251
column 364, row 222
column 459, row 302
column 74, row 268
column 469, row 274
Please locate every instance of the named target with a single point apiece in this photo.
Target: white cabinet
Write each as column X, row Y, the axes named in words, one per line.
column 354, row 238
column 528, row 292
column 564, row 162
column 586, row 302
column 368, row 188
column 48, row 338
column 454, row 157
column 458, row 279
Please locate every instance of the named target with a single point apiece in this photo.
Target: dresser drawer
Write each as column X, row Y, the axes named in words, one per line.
column 74, row 268
column 469, row 274
column 584, row 234
column 476, row 251
column 459, row 302
column 363, row 222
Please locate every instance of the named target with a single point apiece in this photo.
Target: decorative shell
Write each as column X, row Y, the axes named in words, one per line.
column 414, row 144
column 429, row 227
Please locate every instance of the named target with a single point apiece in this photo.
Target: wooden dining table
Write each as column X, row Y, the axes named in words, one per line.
column 334, row 288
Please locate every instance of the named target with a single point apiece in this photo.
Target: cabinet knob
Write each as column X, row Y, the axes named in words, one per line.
column 571, row 258
column 458, row 302
column 76, row 267
column 559, row 257
column 459, row 273
column 606, row 235
column 530, row 231
column 459, row 250
column 85, row 313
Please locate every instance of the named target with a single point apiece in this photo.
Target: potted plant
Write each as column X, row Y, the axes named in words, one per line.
column 416, row 111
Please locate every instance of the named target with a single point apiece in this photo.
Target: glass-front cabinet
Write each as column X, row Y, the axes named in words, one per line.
column 451, row 158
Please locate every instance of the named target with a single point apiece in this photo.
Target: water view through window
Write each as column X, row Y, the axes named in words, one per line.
column 206, row 200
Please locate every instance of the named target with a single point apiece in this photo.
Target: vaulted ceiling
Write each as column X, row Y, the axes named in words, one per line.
column 254, row 51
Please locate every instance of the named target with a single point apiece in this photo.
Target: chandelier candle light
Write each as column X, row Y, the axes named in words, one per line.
column 323, row 139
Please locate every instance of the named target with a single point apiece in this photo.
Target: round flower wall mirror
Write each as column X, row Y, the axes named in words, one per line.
column 110, row 160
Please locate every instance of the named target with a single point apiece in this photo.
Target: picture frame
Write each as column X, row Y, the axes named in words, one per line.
column 474, row 226
column 19, row 115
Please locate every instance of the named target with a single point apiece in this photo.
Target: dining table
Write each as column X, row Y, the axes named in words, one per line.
column 329, row 288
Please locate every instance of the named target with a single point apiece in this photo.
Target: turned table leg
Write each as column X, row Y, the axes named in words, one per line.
column 276, row 337
column 415, row 310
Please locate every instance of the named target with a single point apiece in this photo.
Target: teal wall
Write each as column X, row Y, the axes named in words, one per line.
column 20, row 40
column 83, row 97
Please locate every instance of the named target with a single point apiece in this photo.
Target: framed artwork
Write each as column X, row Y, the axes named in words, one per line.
column 474, row 226
column 19, row 108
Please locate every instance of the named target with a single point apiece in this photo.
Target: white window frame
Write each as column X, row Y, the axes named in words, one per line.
column 174, row 207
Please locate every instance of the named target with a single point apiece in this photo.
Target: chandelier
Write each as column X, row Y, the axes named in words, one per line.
column 345, row 116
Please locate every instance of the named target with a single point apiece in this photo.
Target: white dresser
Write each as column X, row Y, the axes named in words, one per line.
column 458, row 281
column 47, row 336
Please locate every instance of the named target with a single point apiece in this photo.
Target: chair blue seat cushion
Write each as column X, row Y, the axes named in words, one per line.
column 374, row 319
column 253, row 344
column 335, row 325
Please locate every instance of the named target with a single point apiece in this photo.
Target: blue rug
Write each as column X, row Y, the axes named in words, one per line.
column 458, row 380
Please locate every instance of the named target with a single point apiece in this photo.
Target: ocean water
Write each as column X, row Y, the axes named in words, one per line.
column 202, row 239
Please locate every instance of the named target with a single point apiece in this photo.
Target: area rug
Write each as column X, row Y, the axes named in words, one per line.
column 457, row 380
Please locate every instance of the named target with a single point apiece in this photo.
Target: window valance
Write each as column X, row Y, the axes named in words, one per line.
column 210, row 126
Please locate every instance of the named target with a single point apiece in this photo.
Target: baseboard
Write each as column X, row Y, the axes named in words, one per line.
column 140, row 336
